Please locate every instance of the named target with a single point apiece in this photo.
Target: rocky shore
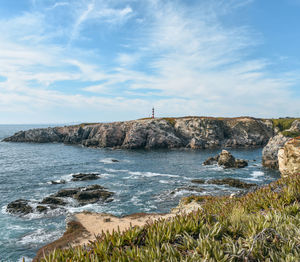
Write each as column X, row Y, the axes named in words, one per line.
column 186, row 132
column 83, row 228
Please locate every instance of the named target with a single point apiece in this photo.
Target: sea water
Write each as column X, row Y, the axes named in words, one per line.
column 142, row 180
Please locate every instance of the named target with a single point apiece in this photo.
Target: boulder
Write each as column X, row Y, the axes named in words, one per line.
column 84, row 177
column 19, row 206
column 231, row 182
column 92, row 196
column 226, row 159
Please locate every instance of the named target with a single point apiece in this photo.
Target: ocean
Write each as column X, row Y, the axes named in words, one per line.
column 142, row 180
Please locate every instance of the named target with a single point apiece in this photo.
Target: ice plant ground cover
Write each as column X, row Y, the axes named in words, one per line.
column 260, row 226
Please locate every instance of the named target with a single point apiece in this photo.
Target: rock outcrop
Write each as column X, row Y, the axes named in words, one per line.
column 270, row 151
column 82, row 196
column 226, row 160
column 289, row 158
column 189, row 132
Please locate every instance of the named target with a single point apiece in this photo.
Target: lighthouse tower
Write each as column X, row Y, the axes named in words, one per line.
column 153, row 112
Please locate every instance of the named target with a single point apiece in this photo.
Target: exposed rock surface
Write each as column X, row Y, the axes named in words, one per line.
column 270, row 151
column 226, row 160
column 226, row 181
column 289, row 158
column 20, row 206
column 231, row 182
column 84, row 177
column 190, row 132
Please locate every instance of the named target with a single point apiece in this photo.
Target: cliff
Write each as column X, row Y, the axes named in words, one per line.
column 289, row 158
column 284, row 129
column 189, row 132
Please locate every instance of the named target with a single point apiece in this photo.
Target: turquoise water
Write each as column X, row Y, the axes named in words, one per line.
column 142, row 181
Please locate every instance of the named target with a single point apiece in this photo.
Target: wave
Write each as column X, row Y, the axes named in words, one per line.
column 255, row 175
column 150, row 174
column 39, row 236
column 115, row 170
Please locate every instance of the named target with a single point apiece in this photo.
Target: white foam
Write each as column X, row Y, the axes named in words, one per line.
column 115, row 170
column 164, row 181
column 3, row 210
column 107, row 160
column 150, row 174
column 255, row 175
column 39, row 236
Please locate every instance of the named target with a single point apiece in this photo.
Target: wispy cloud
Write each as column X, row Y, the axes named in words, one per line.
column 180, row 58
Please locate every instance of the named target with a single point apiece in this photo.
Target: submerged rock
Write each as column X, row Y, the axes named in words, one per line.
column 240, row 163
column 198, row 181
column 19, row 206
column 226, row 160
column 84, row 177
column 42, row 209
column 231, row 182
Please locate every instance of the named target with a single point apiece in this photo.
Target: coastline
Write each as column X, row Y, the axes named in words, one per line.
column 84, row 227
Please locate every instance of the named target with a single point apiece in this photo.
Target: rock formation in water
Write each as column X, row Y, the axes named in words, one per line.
column 226, row 160
column 289, row 157
column 189, row 132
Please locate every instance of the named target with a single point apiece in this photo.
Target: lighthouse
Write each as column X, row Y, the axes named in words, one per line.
column 153, row 112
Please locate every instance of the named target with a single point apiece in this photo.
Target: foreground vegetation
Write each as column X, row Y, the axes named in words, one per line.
column 283, row 124
column 260, row 226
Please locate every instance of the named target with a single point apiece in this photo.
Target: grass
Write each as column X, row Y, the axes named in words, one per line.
column 260, row 226
column 290, row 133
column 283, row 123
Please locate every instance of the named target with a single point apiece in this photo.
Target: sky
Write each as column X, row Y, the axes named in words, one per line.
column 113, row 60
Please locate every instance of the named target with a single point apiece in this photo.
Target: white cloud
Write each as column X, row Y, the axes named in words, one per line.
column 182, row 60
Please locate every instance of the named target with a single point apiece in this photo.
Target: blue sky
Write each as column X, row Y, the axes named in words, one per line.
column 94, row 60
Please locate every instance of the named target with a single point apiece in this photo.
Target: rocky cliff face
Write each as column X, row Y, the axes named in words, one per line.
column 270, row 151
column 289, row 158
column 189, row 132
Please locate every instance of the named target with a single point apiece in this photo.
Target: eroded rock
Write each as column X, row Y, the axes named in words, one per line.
column 20, row 206
column 270, row 151
column 226, row 160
